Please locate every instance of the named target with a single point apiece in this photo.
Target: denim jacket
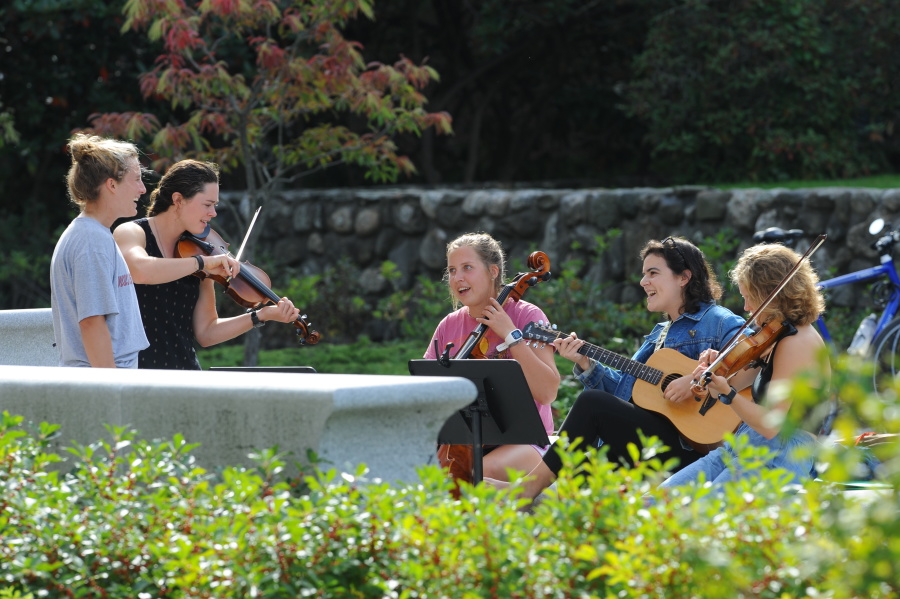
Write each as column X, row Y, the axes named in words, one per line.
column 709, row 327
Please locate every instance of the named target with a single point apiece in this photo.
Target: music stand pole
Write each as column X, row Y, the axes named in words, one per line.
column 477, row 447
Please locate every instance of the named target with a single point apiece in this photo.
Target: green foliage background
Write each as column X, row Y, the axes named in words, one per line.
column 768, row 91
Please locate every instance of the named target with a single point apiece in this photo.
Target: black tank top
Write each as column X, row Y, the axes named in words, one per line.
column 168, row 314
column 816, row 421
column 764, row 376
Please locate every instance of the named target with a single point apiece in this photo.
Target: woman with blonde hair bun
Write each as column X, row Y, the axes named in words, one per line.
column 96, row 320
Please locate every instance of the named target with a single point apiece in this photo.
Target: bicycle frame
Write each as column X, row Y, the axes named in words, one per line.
column 886, row 268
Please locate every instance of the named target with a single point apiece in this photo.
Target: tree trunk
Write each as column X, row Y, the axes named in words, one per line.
column 251, row 347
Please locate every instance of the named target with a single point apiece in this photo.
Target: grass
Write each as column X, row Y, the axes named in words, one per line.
column 875, row 182
column 362, row 357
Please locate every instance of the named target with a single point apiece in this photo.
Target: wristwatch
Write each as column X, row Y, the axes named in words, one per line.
column 726, row 399
column 257, row 323
column 514, row 337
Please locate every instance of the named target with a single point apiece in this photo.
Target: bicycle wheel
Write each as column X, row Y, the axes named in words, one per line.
column 885, row 355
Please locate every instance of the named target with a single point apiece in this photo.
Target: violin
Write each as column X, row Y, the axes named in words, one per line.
column 250, row 288
column 750, row 348
column 539, row 263
column 752, row 351
column 744, row 352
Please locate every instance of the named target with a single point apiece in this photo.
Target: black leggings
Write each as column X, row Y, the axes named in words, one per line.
column 598, row 414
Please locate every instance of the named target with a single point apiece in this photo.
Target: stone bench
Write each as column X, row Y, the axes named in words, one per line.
column 389, row 423
column 26, row 338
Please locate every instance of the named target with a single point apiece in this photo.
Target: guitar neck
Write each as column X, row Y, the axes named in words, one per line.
column 628, row 366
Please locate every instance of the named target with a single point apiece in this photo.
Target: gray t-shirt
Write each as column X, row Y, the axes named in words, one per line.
column 89, row 277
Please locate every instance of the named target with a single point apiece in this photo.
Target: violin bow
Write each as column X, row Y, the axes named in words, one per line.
column 736, row 338
column 247, row 235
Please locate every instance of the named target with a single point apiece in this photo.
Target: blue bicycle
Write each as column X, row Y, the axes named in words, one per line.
column 878, row 335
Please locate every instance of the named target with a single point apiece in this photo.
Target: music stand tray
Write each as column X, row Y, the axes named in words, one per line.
column 503, row 413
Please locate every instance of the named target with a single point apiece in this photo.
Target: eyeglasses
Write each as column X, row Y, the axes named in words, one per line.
column 670, row 242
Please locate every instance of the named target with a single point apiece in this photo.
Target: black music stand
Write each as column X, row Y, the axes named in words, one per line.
column 503, row 413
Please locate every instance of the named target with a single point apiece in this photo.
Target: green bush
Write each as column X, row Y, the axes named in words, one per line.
column 140, row 519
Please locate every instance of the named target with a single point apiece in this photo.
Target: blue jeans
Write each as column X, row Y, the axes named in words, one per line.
column 784, row 455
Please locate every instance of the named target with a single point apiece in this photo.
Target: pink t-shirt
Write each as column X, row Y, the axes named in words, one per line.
column 456, row 326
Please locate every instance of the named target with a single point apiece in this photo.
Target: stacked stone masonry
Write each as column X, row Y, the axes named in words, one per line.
column 309, row 231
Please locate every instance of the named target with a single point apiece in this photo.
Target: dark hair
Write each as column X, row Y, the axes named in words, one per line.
column 95, row 160
column 681, row 255
column 187, row 177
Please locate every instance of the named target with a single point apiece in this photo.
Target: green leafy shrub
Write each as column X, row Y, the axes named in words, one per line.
column 139, row 519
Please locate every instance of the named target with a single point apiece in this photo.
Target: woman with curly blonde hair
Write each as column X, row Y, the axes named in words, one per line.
column 758, row 272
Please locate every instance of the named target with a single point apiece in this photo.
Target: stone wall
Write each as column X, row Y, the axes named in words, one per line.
column 308, row 231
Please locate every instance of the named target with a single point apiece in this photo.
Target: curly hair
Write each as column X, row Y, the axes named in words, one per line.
column 681, row 255
column 187, row 177
column 761, row 268
column 95, row 160
column 490, row 252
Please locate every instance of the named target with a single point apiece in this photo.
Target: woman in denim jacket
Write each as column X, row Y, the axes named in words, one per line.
column 679, row 283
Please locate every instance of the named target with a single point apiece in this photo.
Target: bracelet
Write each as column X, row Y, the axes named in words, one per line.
column 726, row 399
column 257, row 323
column 199, row 263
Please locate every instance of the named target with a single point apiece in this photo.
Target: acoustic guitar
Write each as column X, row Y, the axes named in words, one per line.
column 702, row 423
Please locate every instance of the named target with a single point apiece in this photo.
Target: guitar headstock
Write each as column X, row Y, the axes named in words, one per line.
column 541, row 331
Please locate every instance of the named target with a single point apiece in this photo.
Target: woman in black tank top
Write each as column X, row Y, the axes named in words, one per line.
column 799, row 351
column 177, row 307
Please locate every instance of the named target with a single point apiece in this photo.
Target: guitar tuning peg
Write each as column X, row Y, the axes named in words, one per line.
column 553, row 326
column 541, row 323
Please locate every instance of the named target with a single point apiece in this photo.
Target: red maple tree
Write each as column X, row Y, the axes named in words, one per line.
column 271, row 85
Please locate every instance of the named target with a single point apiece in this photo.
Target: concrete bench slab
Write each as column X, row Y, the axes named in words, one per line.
column 390, row 423
column 26, row 338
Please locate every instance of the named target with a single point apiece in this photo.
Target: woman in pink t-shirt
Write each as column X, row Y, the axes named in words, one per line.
column 476, row 270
